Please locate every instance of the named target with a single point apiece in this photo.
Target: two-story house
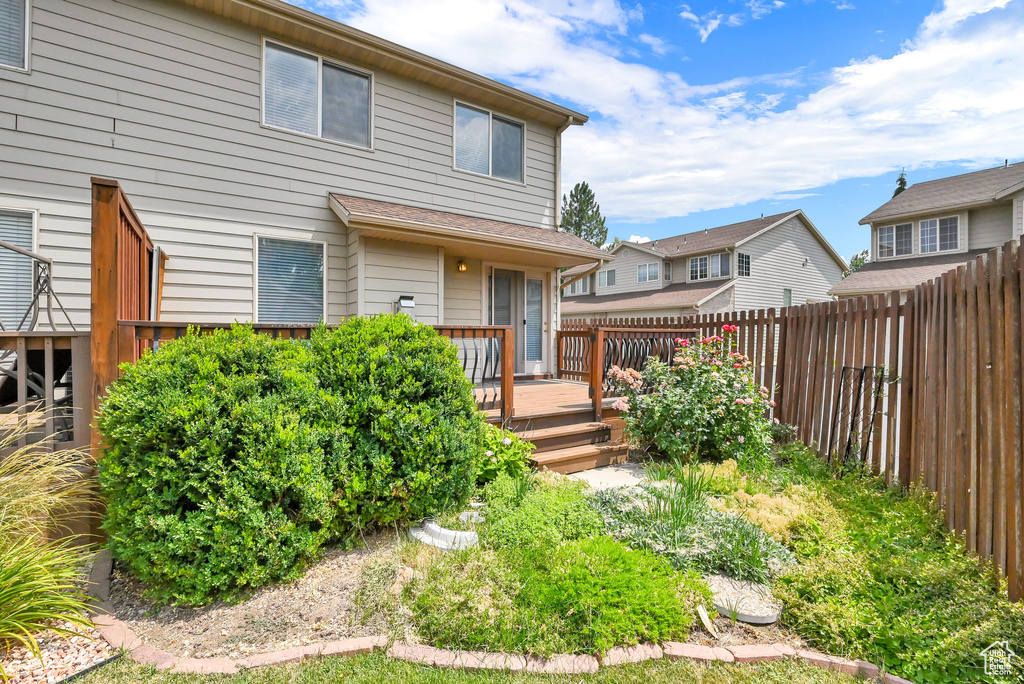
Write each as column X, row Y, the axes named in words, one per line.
column 292, row 168
column 935, row 226
column 772, row 261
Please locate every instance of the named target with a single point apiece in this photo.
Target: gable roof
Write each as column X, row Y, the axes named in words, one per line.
column 360, row 209
column 967, row 189
column 721, row 237
column 680, row 294
column 900, row 274
column 276, row 17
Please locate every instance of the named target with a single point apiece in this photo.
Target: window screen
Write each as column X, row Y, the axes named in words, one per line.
column 291, row 281
column 13, row 23
column 15, row 269
column 346, row 105
column 507, row 150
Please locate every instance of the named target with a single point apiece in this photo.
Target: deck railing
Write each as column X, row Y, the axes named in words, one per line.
column 588, row 355
column 486, row 352
column 45, row 377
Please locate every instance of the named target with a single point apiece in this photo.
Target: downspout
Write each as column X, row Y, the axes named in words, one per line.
column 558, row 169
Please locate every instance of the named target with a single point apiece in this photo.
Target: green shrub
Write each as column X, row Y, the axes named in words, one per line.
column 880, row 578
column 409, row 414
column 677, row 523
column 542, row 517
column 221, row 464
column 503, row 452
column 704, row 405
column 582, row 596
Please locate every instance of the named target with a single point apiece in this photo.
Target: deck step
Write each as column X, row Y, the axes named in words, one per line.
column 562, row 436
column 575, row 459
column 527, row 420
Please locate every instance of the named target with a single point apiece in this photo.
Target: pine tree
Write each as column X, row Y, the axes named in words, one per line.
column 581, row 215
column 901, row 183
column 857, row 260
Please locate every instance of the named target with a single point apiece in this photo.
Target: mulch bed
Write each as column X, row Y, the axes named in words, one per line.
column 317, row 607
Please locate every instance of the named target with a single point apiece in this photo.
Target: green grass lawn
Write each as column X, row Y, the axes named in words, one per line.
column 378, row 668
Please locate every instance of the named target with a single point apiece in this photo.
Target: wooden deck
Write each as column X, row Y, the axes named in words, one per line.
column 546, row 397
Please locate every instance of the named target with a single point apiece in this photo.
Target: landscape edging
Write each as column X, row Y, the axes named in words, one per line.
column 119, row 635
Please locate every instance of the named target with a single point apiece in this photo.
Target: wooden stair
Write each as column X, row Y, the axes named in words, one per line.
column 576, row 446
column 575, row 459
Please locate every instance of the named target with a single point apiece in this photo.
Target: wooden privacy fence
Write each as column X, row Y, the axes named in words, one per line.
column 486, row 352
column 925, row 390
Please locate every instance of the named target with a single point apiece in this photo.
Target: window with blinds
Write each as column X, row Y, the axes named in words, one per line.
column 16, row 228
column 488, row 144
column 14, row 33
column 306, row 94
column 290, row 281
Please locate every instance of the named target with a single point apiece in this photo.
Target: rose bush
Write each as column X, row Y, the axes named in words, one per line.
column 705, row 404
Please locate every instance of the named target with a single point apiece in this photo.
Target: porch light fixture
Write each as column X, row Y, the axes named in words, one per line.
column 405, row 304
column 461, row 265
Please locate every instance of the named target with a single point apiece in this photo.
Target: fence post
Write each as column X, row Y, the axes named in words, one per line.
column 104, row 309
column 597, row 373
column 508, row 369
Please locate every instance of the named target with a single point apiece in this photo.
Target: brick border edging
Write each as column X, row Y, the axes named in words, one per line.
column 120, row 636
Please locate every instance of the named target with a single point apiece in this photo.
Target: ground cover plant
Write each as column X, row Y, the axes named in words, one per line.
column 703, row 405
column 503, row 451
column 234, row 458
column 878, row 576
column 40, row 493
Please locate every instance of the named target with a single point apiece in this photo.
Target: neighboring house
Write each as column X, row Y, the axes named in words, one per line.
column 292, row 168
column 935, row 226
column 773, row 261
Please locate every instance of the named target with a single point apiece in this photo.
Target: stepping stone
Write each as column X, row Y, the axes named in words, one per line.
column 471, row 517
column 747, row 601
column 432, row 534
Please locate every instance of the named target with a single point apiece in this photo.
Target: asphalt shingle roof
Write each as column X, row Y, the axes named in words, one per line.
column 900, row 274
column 488, row 228
column 681, row 294
column 966, row 189
column 714, row 238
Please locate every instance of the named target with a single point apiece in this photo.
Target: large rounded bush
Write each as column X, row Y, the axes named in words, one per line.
column 221, row 464
column 409, row 413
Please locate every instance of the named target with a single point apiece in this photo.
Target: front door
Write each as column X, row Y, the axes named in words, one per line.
column 518, row 299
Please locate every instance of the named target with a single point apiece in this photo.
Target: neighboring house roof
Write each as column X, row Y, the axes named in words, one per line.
column 967, row 189
column 681, row 294
column 900, row 274
column 360, row 209
column 285, row 20
column 721, row 237
column 578, row 270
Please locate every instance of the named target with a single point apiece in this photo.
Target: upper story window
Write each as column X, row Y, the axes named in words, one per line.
column 307, row 94
column 488, row 144
column 742, row 264
column 940, row 235
column 290, row 281
column 14, row 34
column 896, row 240
column 581, row 286
column 606, row 278
column 668, row 270
column 18, row 229
column 647, row 272
column 710, row 266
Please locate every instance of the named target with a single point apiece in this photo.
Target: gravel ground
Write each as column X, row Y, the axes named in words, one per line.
column 63, row 656
column 316, row 607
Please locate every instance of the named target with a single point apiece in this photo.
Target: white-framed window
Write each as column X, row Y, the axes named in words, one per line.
column 742, row 264
column 305, row 93
column 647, row 272
column 290, row 279
column 581, row 286
column 787, row 297
column 710, row 266
column 606, row 278
column 896, row 240
column 18, row 228
column 14, row 33
column 940, row 235
column 668, row 270
column 489, row 144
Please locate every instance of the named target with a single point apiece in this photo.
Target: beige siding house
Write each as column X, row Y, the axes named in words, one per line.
column 933, row 227
column 773, row 261
column 292, row 168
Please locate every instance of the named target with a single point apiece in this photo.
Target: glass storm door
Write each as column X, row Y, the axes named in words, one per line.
column 533, row 326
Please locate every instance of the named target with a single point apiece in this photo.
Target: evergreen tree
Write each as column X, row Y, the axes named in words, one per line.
column 901, row 183
column 581, row 215
column 857, row 260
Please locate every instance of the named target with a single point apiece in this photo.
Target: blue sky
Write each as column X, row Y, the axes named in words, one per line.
column 710, row 112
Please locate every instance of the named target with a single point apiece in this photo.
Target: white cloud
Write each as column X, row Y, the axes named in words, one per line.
column 657, row 45
column 638, row 240
column 708, row 22
column 658, row 145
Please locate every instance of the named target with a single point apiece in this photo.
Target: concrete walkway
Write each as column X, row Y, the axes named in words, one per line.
column 621, row 475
